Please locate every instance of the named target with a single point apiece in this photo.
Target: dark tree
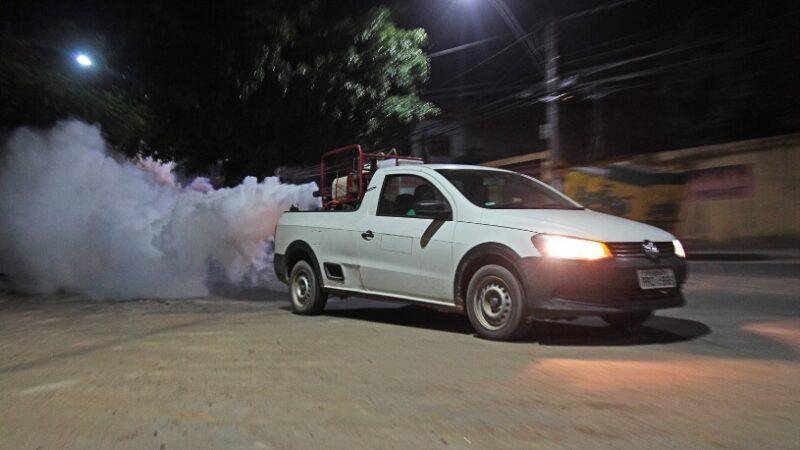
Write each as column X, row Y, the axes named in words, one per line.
column 243, row 85
column 39, row 84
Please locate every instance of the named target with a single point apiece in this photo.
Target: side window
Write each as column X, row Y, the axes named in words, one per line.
column 401, row 193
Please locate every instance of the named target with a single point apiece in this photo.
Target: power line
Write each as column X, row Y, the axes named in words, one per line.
column 615, row 64
column 517, row 102
column 607, row 52
column 458, row 87
column 609, row 42
column 657, row 31
column 512, row 22
column 529, row 89
column 475, row 93
column 474, row 89
column 489, row 58
column 524, row 98
column 466, row 90
column 531, row 49
column 508, row 72
column 466, row 46
column 595, row 10
column 647, row 72
column 707, row 41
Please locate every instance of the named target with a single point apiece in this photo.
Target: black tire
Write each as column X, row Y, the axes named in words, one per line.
column 306, row 293
column 496, row 304
column 628, row 320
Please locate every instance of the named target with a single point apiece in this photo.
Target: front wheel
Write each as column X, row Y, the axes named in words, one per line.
column 496, row 304
column 305, row 290
column 627, row 320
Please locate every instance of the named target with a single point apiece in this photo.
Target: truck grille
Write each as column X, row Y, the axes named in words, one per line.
column 632, row 249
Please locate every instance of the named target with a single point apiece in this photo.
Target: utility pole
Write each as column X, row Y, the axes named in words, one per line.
column 550, row 130
column 552, row 98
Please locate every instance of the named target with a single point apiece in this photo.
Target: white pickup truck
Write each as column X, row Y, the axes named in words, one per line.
column 502, row 247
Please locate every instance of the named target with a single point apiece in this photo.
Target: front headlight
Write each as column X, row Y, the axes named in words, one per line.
column 570, row 248
column 679, row 251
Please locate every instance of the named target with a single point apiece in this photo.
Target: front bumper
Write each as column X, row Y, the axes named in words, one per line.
column 566, row 289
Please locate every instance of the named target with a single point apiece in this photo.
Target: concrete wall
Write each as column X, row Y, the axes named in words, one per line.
column 747, row 191
column 738, row 192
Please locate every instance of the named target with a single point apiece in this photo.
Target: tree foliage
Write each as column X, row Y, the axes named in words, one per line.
column 354, row 81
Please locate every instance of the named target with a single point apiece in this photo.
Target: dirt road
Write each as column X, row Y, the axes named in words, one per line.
column 246, row 373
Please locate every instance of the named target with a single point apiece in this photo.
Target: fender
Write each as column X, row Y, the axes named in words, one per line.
column 480, row 255
column 294, row 253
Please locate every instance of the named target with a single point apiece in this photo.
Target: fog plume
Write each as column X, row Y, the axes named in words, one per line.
column 75, row 218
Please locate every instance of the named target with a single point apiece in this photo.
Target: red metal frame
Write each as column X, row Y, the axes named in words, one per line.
column 362, row 157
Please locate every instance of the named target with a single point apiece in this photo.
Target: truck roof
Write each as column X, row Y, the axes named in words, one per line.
column 440, row 167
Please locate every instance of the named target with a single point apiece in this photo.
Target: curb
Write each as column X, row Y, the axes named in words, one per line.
column 742, row 256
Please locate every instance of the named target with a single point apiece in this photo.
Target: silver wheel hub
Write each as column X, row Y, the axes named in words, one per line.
column 493, row 304
column 302, row 289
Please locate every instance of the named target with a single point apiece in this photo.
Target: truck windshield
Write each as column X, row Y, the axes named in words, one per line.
column 493, row 189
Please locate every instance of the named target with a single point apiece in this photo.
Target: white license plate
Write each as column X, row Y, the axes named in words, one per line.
column 656, row 278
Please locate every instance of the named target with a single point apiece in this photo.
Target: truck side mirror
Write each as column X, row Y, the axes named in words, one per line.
column 433, row 209
column 316, row 194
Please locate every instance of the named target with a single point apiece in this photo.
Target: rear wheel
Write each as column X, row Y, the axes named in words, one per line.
column 305, row 290
column 496, row 304
column 628, row 320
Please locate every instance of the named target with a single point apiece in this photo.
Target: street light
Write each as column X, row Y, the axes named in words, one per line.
column 83, row 60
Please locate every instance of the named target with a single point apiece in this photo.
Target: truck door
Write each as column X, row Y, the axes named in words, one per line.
column 404, row 252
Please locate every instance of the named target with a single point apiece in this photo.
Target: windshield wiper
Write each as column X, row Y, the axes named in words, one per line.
column 558, row 207
column 522, row 205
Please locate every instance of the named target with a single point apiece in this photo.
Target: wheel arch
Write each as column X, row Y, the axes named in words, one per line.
column 300, row 251
column 479, row 256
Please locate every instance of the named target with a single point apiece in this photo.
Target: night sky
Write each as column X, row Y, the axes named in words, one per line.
column 718, row 46
column 689, row 73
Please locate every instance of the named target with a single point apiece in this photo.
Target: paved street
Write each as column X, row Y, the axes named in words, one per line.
column 243, row 372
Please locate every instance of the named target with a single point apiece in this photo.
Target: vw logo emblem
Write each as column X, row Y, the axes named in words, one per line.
column 650, row 249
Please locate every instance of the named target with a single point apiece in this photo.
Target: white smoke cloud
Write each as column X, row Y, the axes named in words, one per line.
column 74, row 218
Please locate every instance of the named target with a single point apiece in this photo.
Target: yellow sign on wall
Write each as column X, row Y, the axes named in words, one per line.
column 649, row 197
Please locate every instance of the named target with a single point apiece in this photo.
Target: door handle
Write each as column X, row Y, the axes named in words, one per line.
column 368, row 235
